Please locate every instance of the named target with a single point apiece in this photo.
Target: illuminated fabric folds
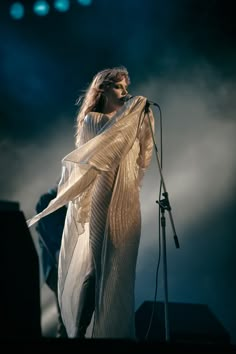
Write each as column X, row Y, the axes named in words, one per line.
column 101, row 182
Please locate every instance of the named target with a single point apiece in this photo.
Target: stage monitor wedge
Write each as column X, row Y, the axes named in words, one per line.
column 188, row 323
column 20, row 278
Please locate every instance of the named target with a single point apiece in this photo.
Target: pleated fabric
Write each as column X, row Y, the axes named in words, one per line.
column 101, row 182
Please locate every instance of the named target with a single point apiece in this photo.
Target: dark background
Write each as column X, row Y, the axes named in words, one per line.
column 180, row 54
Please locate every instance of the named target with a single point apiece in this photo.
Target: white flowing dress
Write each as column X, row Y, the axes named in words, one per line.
column 101, row 182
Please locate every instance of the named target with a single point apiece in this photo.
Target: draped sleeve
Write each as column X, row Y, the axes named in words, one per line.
column 146, row 144
column 102, row 152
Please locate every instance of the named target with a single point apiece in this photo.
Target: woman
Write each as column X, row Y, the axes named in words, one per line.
column 101, row 182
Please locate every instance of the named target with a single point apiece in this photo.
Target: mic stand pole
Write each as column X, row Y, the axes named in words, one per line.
column 164, row 204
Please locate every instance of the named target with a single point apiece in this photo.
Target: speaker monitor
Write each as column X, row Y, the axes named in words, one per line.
column 20, row 278
column 188, row 323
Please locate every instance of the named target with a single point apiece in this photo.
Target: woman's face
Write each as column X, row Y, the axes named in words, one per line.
column 115, row 92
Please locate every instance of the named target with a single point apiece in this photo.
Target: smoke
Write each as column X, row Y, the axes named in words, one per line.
column 198, row 146
column 31, row 168
column 198, row 169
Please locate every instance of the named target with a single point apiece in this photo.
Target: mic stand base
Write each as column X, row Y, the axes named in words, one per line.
column 164, row 205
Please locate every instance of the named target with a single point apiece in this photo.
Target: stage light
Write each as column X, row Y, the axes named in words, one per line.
column 41, row 8
column 17, row 11
column 85, row 2
column 62, row 5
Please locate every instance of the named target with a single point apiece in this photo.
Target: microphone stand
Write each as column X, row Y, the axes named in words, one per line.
column 164, row 204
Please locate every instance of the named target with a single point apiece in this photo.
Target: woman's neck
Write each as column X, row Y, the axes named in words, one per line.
column 110, row 110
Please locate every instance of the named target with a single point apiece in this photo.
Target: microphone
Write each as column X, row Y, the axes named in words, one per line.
column 128, row 97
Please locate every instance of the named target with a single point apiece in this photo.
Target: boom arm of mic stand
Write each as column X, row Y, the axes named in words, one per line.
column 164, row 203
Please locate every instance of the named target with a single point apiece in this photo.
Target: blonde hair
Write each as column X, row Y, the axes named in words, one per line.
column 93, row 99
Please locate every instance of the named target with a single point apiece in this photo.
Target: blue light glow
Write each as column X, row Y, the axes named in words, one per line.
column 85, row 2
column 62, row 5
column 41, row 8
column 17, row 11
